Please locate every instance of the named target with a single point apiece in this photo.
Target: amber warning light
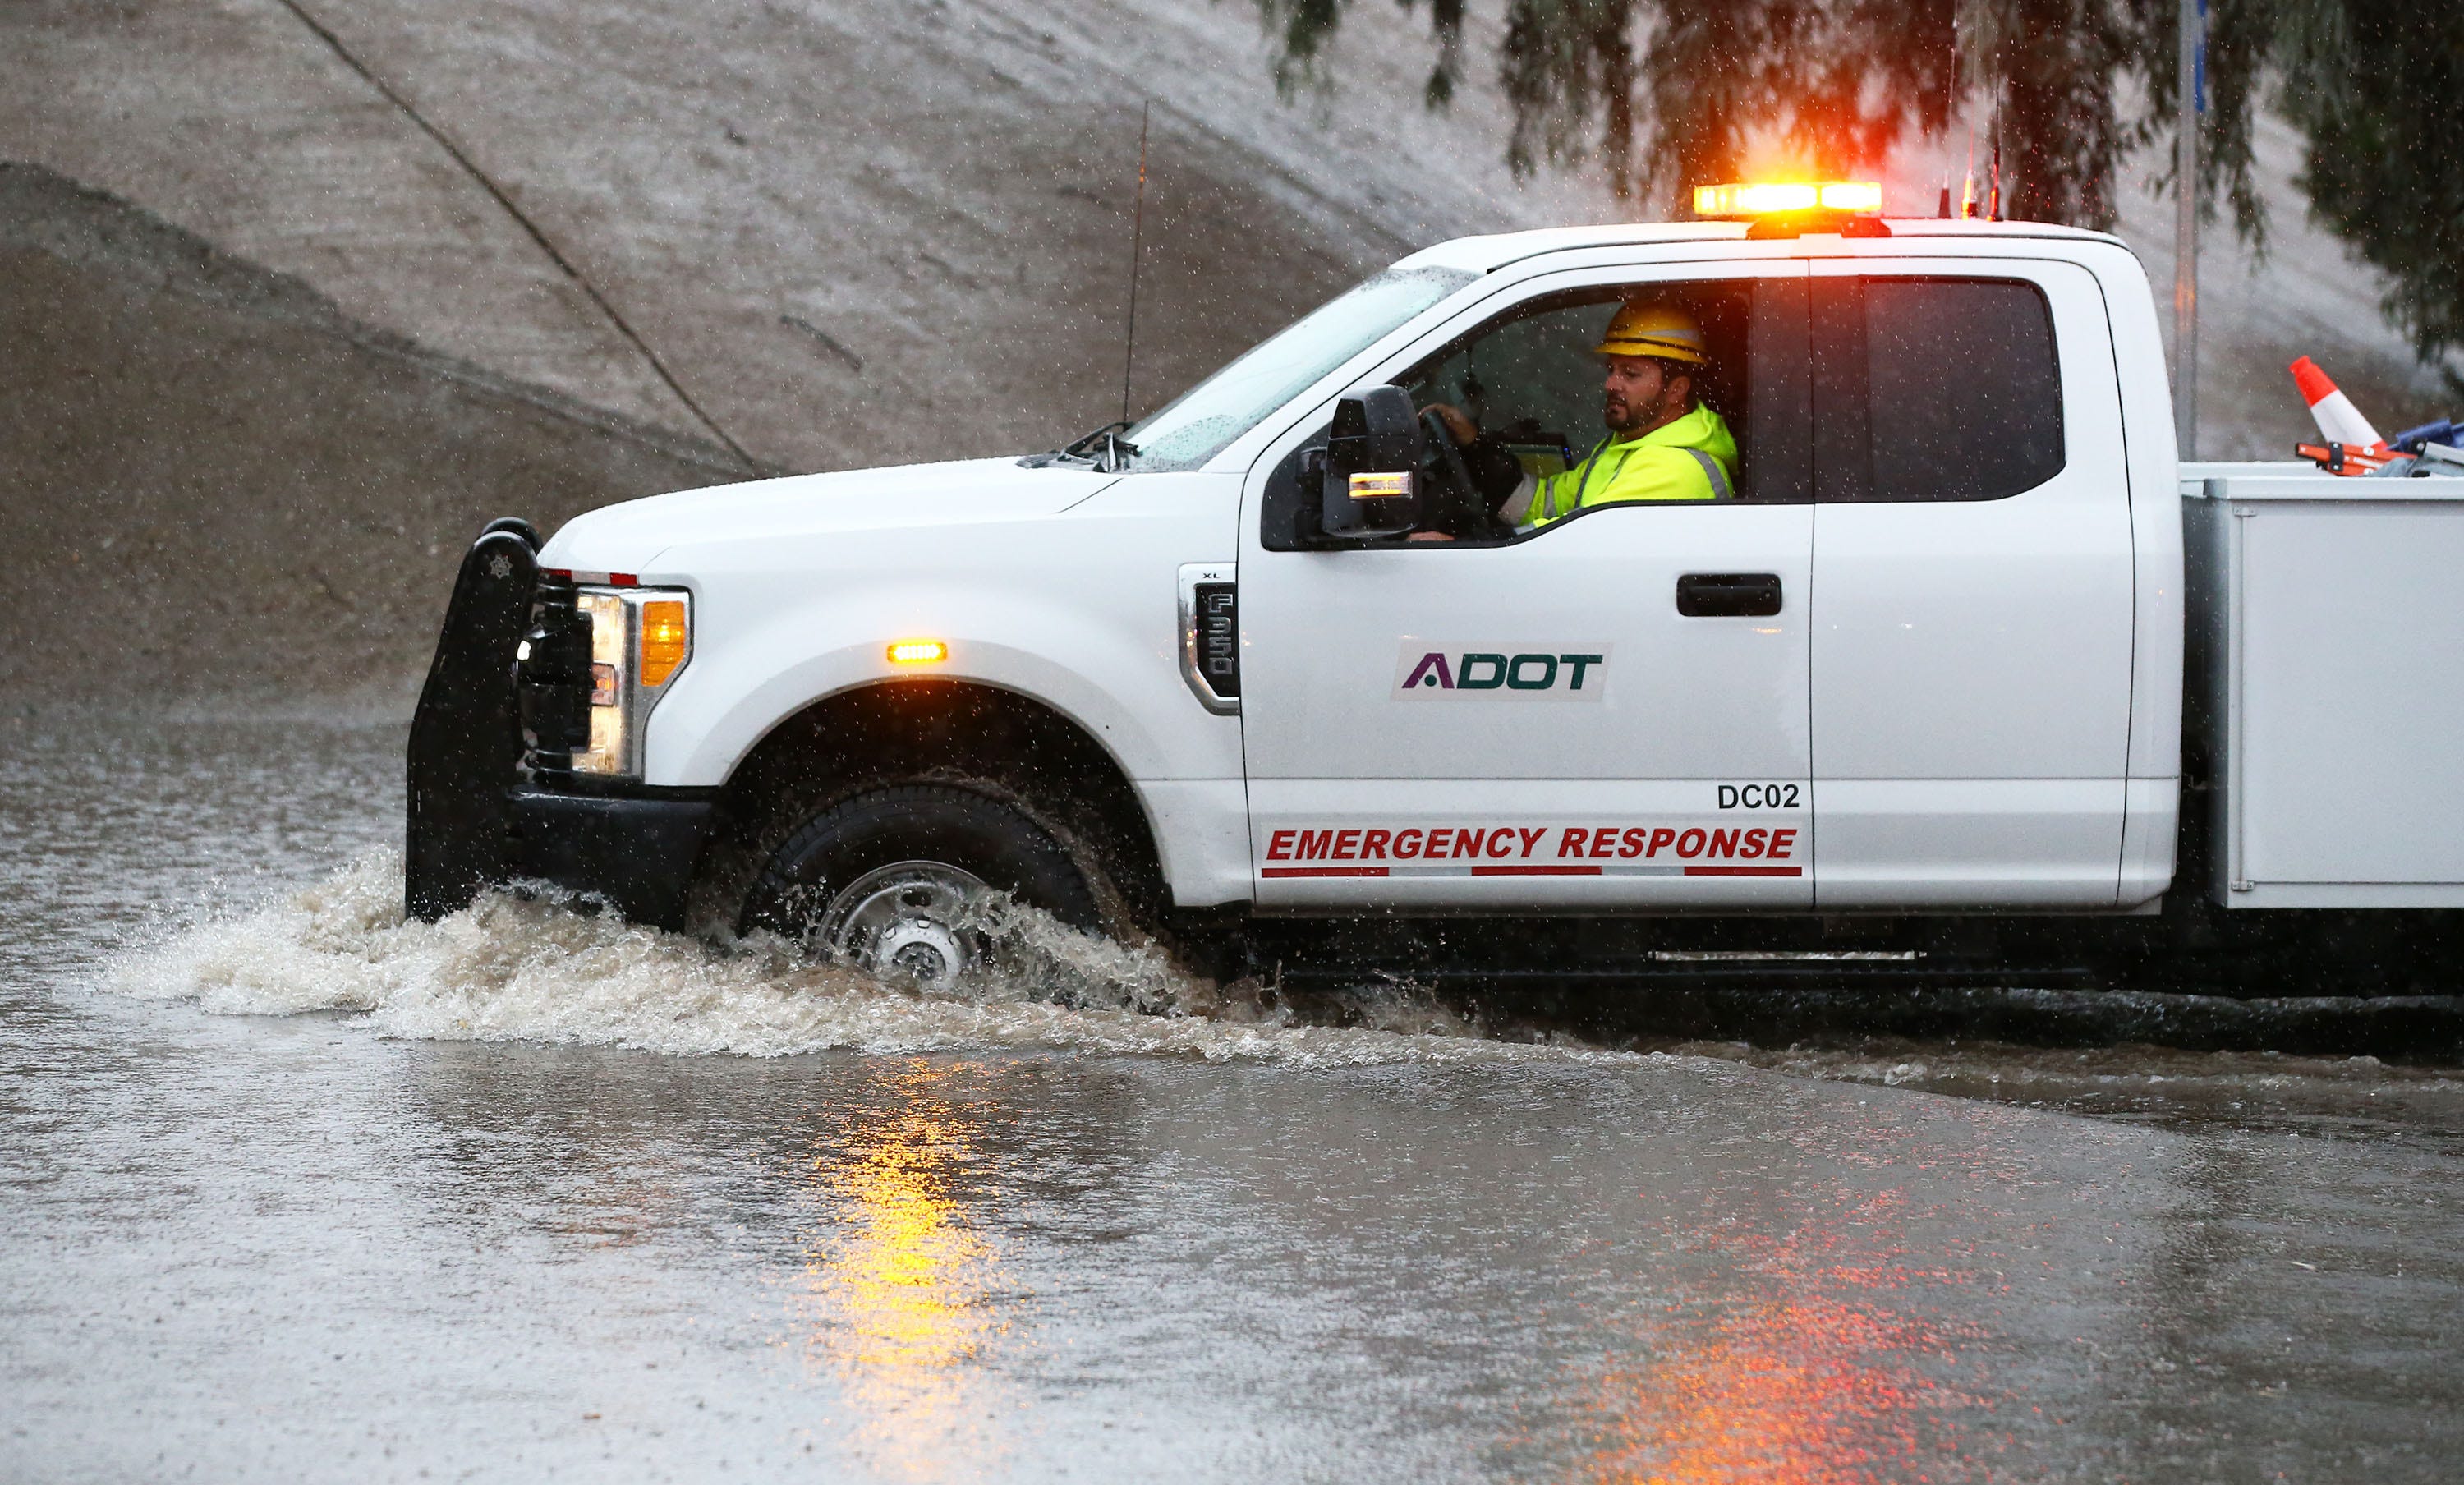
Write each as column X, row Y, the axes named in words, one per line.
column 663, row 639
column 1745, row 200
column 919, row 652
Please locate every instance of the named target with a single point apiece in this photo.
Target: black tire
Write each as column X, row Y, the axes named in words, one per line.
column 980, row 835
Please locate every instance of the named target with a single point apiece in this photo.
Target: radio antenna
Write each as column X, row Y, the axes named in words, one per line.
column 1138, row 232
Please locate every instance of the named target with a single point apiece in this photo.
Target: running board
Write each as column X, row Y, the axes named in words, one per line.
column 1710, row 969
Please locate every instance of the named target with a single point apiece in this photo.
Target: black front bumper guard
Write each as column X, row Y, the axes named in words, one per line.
column 474, row 817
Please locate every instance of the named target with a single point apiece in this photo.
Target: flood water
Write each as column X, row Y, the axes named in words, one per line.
column 290, row 1190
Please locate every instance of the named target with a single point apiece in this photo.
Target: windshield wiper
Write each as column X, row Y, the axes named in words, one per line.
column 1103, row 451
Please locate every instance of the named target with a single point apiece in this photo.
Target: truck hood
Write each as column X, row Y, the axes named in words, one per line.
column 631, row 537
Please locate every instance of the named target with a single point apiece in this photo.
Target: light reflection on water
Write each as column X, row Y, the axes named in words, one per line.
column 1801, row 1389
column 901, row 1298
column 1805, row 1369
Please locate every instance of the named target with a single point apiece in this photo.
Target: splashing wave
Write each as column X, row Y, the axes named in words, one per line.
column 512, row 967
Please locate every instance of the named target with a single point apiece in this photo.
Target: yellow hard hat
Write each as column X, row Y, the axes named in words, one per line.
column 1654, row 330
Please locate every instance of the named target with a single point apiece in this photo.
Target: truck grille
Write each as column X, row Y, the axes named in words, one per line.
column 553, row 679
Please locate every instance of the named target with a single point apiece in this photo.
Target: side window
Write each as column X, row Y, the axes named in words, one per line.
column 1532, row 376
column 1532, row 379
column 1962, row 395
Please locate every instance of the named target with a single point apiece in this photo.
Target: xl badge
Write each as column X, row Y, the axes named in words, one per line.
column 1562, row 672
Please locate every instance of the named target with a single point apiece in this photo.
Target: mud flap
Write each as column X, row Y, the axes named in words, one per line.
column 466, row 739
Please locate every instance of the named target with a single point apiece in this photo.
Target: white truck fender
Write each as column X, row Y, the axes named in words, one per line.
column 700, row 735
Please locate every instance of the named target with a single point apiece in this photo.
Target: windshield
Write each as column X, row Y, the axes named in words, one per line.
column 1199, row 423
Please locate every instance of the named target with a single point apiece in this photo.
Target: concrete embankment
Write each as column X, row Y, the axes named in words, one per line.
column 212, row 480
column 370, row 273
column 834, row 234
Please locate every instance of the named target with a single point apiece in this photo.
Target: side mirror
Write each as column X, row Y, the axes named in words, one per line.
column 1372, row 456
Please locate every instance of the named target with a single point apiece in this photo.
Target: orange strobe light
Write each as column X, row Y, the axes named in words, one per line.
column 919, row 652
column 1771, row 198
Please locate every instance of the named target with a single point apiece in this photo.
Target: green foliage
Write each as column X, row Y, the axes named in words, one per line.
column 1664, row 95
column 2378, row 88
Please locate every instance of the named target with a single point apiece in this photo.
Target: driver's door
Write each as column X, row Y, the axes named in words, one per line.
column 1612, row 712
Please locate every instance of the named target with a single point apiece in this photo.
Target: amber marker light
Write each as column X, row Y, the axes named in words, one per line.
column 663, row 639
column 919, row 652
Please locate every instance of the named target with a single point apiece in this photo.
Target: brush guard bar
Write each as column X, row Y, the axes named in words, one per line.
column 466, row 738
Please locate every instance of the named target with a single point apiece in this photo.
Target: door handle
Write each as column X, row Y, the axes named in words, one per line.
column 1728, row 595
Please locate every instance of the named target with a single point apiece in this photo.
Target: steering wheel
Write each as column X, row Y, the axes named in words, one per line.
column 1454, row 503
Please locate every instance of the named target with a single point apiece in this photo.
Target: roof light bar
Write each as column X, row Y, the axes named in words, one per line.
column 1749, row 199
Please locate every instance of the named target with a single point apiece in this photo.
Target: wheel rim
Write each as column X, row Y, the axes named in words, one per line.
column 907, row 921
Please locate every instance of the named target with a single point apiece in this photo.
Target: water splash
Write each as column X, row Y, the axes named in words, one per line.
column 522, row 968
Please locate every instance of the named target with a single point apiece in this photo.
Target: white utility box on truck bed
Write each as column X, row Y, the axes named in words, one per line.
column 2327, row 618
column 1899, row 677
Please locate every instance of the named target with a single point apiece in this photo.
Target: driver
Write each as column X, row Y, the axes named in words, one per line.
column 1663, row 444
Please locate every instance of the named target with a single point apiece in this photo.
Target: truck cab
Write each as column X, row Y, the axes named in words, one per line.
column 1923, row 653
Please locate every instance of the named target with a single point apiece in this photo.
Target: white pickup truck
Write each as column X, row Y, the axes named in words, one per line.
column 1912, row 698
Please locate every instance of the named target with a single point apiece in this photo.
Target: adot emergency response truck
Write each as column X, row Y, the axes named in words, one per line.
column 1908, row 695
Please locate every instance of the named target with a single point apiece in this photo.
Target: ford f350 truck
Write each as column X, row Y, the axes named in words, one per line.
column 1912, row 701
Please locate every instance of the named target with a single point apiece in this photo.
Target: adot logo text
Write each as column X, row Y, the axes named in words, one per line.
column 1502, row 673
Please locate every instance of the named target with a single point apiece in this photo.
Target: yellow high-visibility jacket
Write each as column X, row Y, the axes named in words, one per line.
column 1693, row 459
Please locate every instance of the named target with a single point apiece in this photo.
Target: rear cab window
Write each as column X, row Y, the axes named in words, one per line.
column 1956, row 383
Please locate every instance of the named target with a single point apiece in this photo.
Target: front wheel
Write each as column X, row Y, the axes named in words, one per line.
column 892, row 881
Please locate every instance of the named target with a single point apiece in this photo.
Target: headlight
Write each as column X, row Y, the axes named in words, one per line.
column 640, row 640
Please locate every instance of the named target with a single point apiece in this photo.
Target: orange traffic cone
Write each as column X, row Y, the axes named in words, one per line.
column 2337, row 419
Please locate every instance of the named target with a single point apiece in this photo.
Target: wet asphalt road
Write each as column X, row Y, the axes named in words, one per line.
column 1029, row 1245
